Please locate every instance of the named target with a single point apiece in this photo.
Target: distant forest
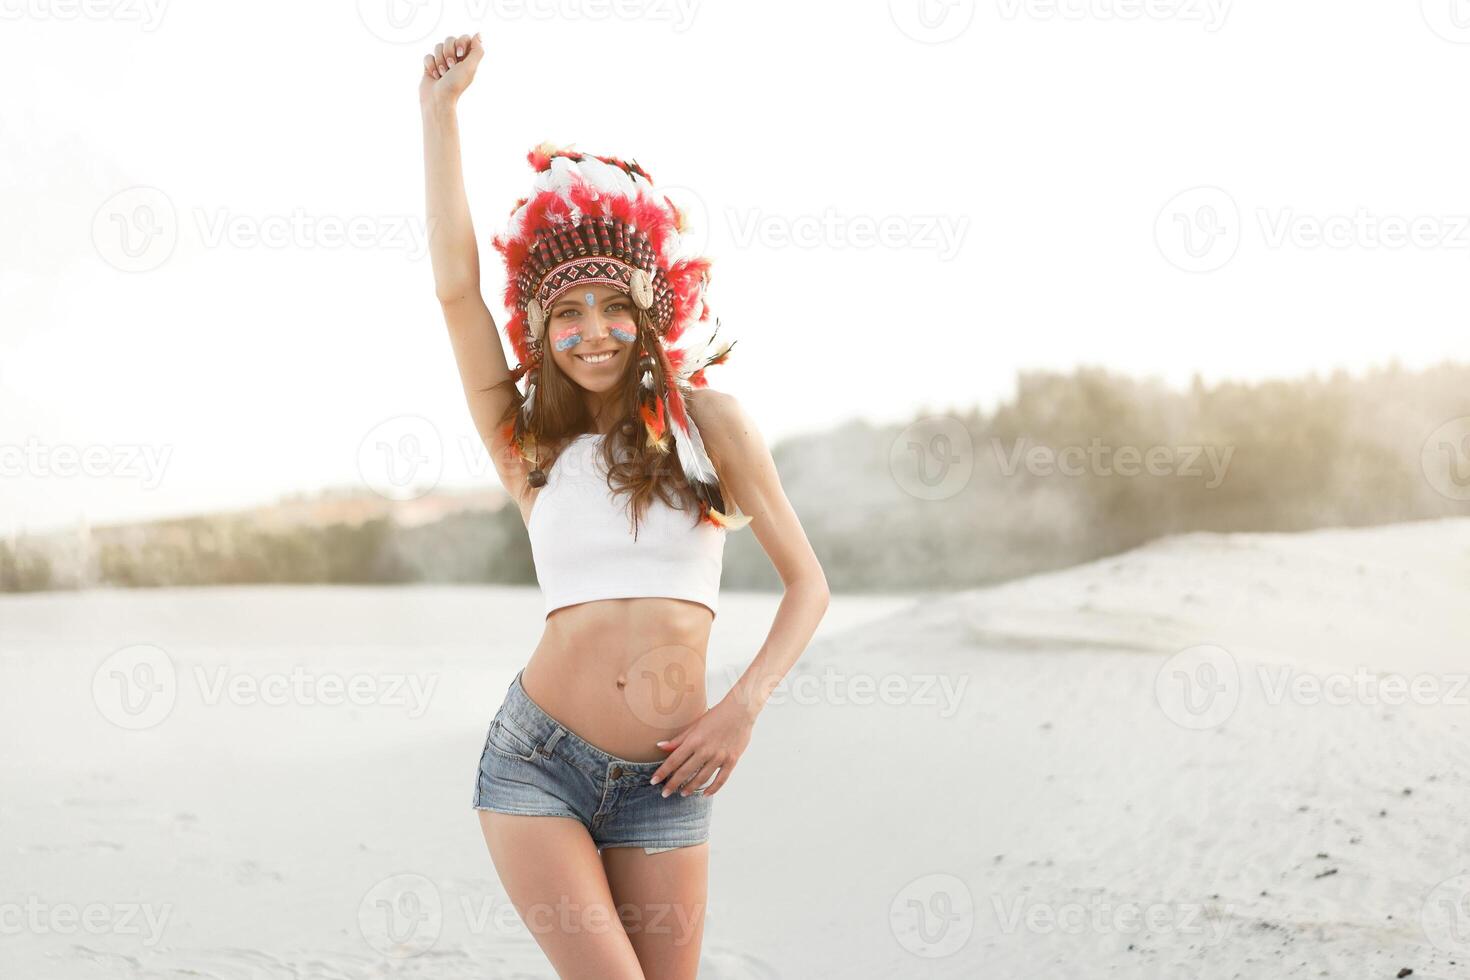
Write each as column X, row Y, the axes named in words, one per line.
column 1072, row 468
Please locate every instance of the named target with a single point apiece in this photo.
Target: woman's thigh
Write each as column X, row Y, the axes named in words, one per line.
column 661, row 898
column 551, row 871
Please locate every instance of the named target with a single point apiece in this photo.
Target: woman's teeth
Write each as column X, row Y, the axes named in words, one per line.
column 597, row 358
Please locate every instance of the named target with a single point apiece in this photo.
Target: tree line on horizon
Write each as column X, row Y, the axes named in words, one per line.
column 1073, row 467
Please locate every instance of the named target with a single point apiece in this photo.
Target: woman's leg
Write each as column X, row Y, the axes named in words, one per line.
column 662, row 898
column 550, row 869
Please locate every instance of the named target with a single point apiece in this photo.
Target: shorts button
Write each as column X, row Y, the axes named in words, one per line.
column 617, row 771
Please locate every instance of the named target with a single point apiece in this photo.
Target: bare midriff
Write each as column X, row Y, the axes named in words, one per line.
column 622, row 673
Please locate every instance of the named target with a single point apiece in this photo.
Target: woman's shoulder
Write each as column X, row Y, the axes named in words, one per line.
column 727, row 431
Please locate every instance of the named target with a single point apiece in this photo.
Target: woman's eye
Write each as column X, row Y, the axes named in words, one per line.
column 612, row 307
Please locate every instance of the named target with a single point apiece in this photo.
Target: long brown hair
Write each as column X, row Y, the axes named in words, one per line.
column 634, row 467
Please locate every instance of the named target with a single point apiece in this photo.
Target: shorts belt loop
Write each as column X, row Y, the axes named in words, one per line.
column 551, row 742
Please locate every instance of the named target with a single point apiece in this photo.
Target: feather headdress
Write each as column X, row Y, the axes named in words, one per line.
column 599, row 220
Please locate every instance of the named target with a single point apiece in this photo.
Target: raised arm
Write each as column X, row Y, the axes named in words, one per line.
column 483, row 369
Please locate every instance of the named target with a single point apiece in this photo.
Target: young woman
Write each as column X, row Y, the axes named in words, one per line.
column 597, row 776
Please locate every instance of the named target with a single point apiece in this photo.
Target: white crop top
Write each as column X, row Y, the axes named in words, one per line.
column 583, row 546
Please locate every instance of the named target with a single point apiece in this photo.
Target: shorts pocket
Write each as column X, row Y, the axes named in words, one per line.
column 506, row 740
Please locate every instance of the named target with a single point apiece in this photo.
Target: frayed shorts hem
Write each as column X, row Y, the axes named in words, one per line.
column 531, row 813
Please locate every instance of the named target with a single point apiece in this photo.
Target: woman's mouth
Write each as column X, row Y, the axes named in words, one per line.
column 597, row 358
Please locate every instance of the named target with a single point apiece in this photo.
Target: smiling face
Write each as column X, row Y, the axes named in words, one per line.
column 590, row 332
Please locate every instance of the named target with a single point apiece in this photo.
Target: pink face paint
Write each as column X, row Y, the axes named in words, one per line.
column 566, row 338
column 623, row 334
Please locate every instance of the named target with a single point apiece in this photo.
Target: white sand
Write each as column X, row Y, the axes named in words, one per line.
column 1020, row 789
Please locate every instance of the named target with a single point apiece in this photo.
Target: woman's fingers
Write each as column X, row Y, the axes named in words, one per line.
column 449, row 54
column 430, row 67
column 682, row 775
column 439, row 58
column 719, row 781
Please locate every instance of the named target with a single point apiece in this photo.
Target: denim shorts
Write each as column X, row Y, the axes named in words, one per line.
column 532, row 765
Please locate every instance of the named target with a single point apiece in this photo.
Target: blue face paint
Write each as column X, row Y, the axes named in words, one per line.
column 566, row 339
column 625, row 336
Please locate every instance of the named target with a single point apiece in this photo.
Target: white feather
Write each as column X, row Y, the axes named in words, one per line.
column 697, row 467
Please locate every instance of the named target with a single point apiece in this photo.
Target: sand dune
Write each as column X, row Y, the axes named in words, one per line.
column 1127, row 768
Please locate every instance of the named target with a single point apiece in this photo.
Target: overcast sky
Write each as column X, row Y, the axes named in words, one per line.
column 213, row 285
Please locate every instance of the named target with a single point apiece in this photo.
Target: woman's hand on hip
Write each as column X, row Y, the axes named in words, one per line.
column 715, row 740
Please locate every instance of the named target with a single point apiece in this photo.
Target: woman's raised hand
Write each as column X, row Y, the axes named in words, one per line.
column 451, row 68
